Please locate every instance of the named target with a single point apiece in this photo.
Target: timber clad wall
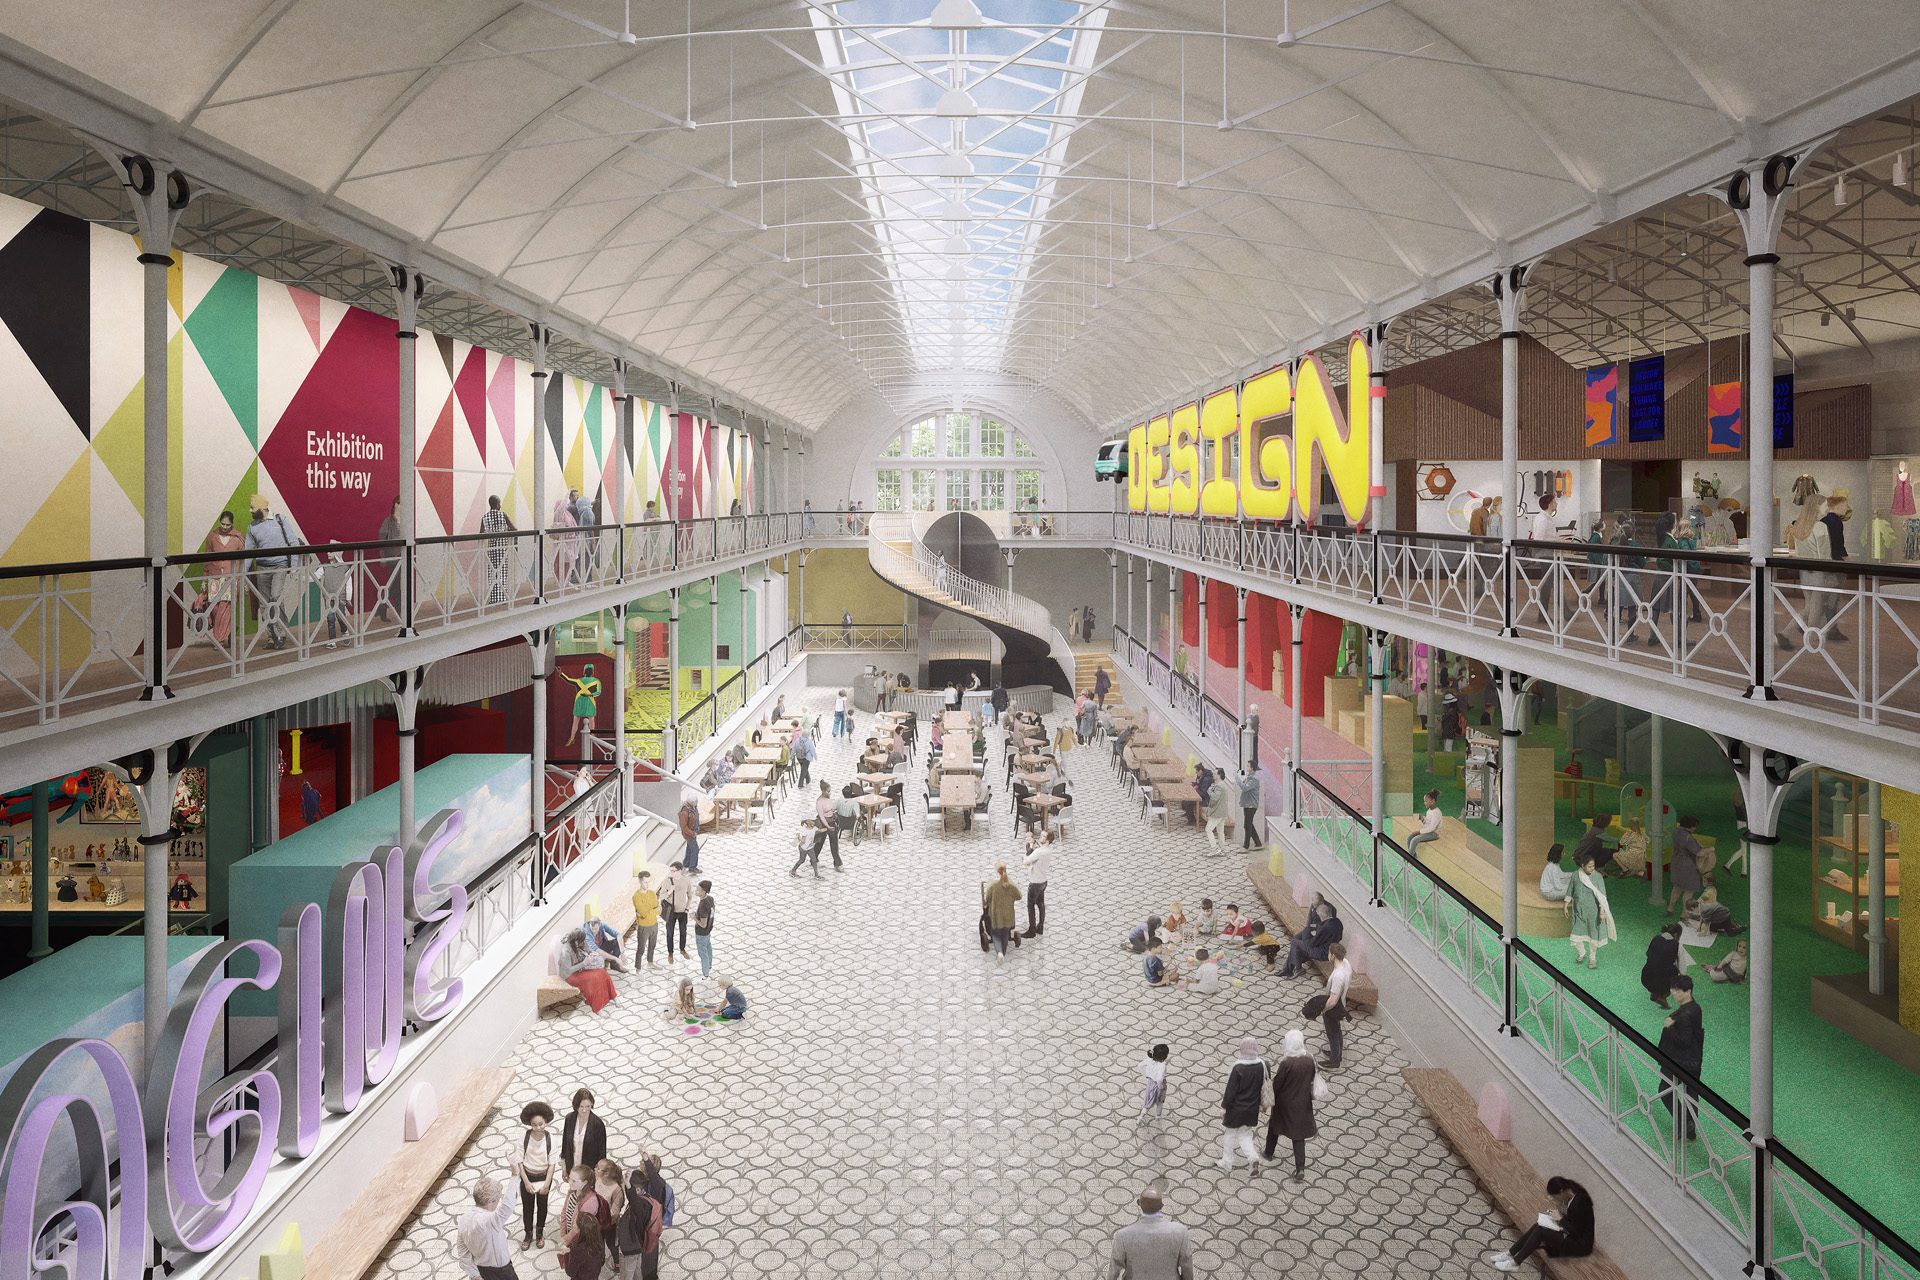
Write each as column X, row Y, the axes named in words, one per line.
column 1448, row 409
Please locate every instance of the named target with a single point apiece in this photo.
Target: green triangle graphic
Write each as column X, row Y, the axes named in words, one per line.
column 225, row 329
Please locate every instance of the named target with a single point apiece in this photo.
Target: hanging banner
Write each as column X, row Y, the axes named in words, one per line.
column 1783, row 411
column 1647, row 400
column 1724, row 425
column 1603, row 401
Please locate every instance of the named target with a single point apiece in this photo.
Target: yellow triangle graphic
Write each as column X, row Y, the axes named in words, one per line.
column 121, row 444
column 58, row 531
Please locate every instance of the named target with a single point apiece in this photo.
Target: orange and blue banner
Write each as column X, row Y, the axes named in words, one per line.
column 1603, row 402
column 1724, row 422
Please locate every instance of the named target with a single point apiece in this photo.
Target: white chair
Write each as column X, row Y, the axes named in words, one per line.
column 1149, row 809
column 1063, row 820
column 888, row 823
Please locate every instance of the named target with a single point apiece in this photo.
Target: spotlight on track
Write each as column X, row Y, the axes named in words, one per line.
column 1840, row 191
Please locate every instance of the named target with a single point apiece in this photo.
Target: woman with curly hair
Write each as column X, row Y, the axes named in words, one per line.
column 534, row 1167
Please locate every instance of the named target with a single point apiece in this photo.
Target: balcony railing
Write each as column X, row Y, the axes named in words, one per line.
column 890, row 636
column 1839, row 637
column 89, row 636
column 1200, row 715
column 702, row 720
column 1815, row 1229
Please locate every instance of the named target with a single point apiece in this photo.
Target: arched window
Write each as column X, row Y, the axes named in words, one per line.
column 958, row 462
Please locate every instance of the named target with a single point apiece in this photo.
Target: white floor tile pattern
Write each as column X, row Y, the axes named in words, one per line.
column 898, row 1105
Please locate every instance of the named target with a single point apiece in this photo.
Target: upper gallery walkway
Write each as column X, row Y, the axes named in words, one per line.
column 197, row 641
column 1758, row 652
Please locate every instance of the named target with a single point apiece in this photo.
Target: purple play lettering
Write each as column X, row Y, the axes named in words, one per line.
column 356, row 911
column 424, row 1004
column 176, row 1109
column 299, row 1065
column 28, row 1126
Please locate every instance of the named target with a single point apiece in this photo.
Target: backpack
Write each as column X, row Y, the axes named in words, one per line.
column 640, row 1224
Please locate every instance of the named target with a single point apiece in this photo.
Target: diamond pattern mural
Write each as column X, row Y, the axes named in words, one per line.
column 279, row 392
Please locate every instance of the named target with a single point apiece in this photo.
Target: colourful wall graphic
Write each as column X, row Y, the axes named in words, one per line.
column 1724, row 434
column 283, row 393
column 1603, row 402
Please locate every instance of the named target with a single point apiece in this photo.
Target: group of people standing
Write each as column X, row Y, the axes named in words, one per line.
column 610, row 1219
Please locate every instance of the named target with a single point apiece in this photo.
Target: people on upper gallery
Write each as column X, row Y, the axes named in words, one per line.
column 1689, row 862
column 1731, row 969
column 1429, row 825
column 1592, row 924
column 1567, row 1232
column 1663, row 964
column 1709, row 915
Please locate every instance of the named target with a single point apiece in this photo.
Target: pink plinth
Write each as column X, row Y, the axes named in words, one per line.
column 1494, row 1113
column 1302, row 891
column 1357, row 951
column 423, row 1108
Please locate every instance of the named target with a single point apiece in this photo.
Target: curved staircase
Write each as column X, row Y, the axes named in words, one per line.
column 1024, row 626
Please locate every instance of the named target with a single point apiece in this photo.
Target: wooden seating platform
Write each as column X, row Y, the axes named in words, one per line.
column 1472, row 865
column 1507, row 1176
column 354, row 1243
column 1362, row 994
column 616, row 914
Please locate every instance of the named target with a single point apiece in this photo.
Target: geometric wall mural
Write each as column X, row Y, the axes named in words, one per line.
column 283, row 393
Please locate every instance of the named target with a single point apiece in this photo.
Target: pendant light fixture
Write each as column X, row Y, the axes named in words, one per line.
column 1900, row 175
column 1840, row 191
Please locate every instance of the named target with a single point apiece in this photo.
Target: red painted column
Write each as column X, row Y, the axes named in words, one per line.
column 1189, row 609
column 1262, row 639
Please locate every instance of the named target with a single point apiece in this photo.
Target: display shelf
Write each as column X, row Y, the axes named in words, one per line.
column 1840, row 863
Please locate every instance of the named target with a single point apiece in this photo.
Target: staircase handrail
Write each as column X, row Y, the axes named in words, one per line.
column 887, row 529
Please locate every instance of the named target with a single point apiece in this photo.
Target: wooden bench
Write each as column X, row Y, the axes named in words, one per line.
column 1471, row 864
column 1362, row 994
column 616, row 914
column 1507, row 1176
column 354, row 1242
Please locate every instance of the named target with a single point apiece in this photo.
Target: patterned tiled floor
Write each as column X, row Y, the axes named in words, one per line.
column 897, row 1105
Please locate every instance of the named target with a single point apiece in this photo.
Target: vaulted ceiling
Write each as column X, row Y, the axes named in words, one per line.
column 1117, row 201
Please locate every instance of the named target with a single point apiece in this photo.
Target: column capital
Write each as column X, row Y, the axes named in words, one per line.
column 1757, row 193
column 1509, row 289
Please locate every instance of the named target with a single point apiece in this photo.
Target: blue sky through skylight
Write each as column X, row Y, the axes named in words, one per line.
column 956, row 307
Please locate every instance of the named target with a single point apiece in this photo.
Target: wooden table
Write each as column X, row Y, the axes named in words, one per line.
column 1030, row 758
column 1156, row 772
column 787, row 725
column 958, row 793
column 956, row 719
column 747, row 794
column 1566, row 786
column 877, row 780
column 878, row 760
column 1154, row 755
column 1034, row 780
column 1046, row 804
column 957, row 757
column 763, row 755
column 1172, row 793
column 754, row 773
column 871, row 806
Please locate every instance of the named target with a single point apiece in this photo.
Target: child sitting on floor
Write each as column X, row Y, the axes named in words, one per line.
column 1206, row 972
column 1265, row 943
column 1630, row 854
column 683, row 1005
column 1237, row 925
column 1157, row 971
column 1204, row 924
column 1175, row 922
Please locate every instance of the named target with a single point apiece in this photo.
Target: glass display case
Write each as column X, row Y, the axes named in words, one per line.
column 1840, row 861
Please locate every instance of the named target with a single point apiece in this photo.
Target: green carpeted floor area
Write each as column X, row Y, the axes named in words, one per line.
column 1851, row 1113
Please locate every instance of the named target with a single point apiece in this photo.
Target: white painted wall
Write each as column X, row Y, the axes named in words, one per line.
column 1484, row 478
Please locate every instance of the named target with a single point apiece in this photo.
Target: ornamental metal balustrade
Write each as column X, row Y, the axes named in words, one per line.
column 1816, row 1231
column 702, row 720
column 1840, row 637
column 891, row 637
column 1207, row 719
column 92, row 635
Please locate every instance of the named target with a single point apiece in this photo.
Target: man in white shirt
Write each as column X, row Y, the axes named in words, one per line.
column 1206, row 973
column 952, row 696
column 1429, row 826
column 480, row 1241
column 1336, row 1010
column 1038, row 857
column 1543, row 528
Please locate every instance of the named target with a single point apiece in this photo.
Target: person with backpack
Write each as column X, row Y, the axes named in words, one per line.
column 271, row 574
column 648, row 1212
